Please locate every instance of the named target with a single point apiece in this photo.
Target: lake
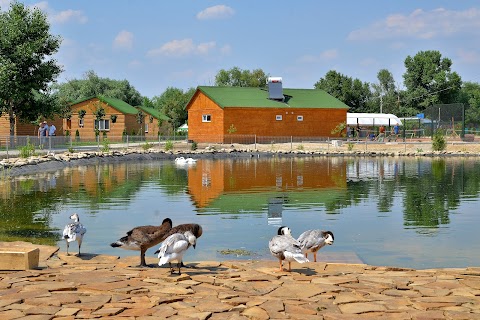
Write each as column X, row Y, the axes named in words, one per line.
column 405, row 212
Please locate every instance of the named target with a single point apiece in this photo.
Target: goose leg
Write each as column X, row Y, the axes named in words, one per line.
column 67, row 248
column 179, row 266
column 142, row 258
column 289, row 266
column 171, row 269
column 315, row 256
column 281, row 265
column 79, row 246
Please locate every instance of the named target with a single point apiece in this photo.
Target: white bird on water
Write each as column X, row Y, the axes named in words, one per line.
column 74, row 232
column 174, row 247
column 285, row 247
column 182, row 161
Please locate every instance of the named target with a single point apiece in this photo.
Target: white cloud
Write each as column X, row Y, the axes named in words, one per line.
column 123, row 40
column 216, row 12
column 421, row 24
column 226, row 49
column 326, row 55
column 469, row 57
column 68, row 16
column 185, row 47
column 61, row 17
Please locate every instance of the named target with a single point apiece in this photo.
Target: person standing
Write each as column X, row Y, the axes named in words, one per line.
column 52, row 130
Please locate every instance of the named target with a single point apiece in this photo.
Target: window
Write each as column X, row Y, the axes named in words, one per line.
column 206, row 118
column 278, row 117
column 80, row 123
column 299, row 118
column 146, row 127
column 102, row 125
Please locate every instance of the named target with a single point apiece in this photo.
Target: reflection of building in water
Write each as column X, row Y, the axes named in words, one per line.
column 217, row 184
column 275, row 208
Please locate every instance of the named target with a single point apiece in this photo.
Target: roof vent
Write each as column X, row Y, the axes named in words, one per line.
column 275, row 90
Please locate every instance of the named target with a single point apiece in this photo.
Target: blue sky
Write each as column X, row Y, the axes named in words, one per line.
column 183, row 44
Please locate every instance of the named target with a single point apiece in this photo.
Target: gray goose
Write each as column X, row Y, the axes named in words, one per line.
column 284, row 247
column 144, row 237
column 194, row 228
column 74, row 232
column 314, row 240
column 174, row 247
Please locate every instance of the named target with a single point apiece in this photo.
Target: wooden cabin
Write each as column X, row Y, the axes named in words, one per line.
column 214, row 113
column 118, row 118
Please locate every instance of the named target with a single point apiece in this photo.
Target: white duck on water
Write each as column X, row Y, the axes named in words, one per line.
column 74, row 232
column 314, row 240
column 183, row 161
column 174, row 247
column 285, row 247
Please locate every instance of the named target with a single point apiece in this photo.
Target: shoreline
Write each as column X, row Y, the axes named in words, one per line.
column 14, row 166
column 101, row 286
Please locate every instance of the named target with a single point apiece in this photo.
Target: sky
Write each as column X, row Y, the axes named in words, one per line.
column 184, row 43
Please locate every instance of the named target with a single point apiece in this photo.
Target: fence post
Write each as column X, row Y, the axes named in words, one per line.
column 255, row 142
column 127, row 141
column 7, row 144
column 291, row 143
column 49, row 144
column 71, row 142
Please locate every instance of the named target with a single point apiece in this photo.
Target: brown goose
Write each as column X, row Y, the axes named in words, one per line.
column 144, row 237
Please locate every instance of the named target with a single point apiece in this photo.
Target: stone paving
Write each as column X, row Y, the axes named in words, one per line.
column 100, row 286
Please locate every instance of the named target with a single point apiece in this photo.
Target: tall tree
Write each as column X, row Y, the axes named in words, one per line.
column 237, row 77
column 93, row 85
column 385, row 95
column 353, row 92
column 172, row 103
column 429, row 80
column 26, row 66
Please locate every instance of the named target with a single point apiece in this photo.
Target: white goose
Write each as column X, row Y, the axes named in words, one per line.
column 285, row 247
column 174, row 247
column 74, row 232
column 183, row 161
column 314, row 240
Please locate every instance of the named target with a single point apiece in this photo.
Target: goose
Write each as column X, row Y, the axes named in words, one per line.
column 143, row 237
column 174, row 247
column 194, row 228
column 285, row 247
column 74, row 232
column 314, row 240
column 183, row 161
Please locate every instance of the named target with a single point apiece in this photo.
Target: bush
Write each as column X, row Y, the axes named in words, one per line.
column 194, row 146
column 67, row 133
column 77, row 135
column 147, row 145
column 439, row 142
column 168, row 145
column 105, row 145
column 28, row 150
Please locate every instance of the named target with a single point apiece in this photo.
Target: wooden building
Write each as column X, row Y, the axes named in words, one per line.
column 26, row 128
column 118, row 118
column 216, row 112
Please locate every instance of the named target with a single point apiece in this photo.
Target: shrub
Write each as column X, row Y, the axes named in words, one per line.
column 67, row 133
column 105, row 145
column 28, row 150
column 168, row 145
column 439, row 142
column 194, row 146
column 350, row 146
column 71, row 150
column 77, row 135
column 147, row 145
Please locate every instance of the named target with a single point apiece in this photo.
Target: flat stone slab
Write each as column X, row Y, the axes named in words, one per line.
column 98, row 286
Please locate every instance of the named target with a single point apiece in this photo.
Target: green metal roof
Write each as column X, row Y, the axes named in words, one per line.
column 154, row 112
column 118, row 104
column 258, row 98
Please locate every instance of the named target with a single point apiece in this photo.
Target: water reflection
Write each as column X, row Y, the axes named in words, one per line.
column 389, row 211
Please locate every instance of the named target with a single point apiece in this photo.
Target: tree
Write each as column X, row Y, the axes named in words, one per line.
column 385, row 94
column 26, row 66
column 236, row 77
column 353, row 92
column 470, row 97
column 429, row 80
column 93, row 85
column 172, row 103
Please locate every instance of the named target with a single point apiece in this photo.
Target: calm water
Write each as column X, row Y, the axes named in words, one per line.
column 418, row 213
